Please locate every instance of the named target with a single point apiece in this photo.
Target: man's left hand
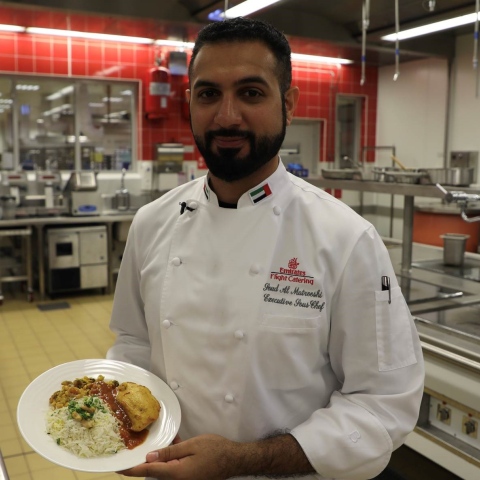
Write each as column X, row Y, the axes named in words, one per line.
column 209, row 457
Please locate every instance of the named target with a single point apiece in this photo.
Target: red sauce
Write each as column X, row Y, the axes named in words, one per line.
column 108, row 394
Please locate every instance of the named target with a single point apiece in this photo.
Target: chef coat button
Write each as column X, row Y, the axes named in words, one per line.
column 255, row 269
column 193, row 206
column 174, row 385
column 229, row 398
column 176, row 261
column 277, row 210
column 238, row 334
column 167, row 323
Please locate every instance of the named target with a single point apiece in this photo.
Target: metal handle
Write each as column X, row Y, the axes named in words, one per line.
column 462, row 199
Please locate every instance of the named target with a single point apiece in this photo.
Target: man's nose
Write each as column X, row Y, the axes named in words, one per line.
column 228, row 113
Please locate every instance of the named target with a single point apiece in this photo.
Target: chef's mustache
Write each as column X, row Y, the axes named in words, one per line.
column 229, row 132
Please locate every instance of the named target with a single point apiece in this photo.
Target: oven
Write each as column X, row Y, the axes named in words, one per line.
column 77, row 258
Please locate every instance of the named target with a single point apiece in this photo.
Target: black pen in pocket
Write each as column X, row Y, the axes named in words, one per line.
column 386, row 286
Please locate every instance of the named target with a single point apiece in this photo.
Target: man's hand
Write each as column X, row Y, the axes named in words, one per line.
column 209, row 457
column 212, row 457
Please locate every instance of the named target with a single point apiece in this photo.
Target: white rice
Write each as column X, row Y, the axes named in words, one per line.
column 102, row 439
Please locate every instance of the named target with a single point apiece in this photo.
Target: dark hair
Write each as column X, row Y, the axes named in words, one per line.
column 248, row 30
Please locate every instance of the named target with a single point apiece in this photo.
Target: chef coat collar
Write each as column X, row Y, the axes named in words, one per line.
column 266, row 190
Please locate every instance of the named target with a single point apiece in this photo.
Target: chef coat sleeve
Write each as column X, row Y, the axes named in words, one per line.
column 128, row 321
column 376, row 355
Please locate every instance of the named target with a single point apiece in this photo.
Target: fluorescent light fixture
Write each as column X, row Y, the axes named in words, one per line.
column 61, row 93
column 81, row 138
column 174, row 43
column 112, row 99
column 6, row 101
column 88, row 35
column 11, row 28
column 62, row 108
column 27, row 87
column 300, row 57
column 246, row 8
column 432, row 27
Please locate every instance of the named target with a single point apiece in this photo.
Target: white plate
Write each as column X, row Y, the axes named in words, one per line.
column 34, row 404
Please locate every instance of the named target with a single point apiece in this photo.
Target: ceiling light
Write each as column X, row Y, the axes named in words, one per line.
column 61, row 93
column 432, row 27
column 174, row 43
column 246, row 8
column 27, row 87
column 112, row 99
column 60, row 109
column 11, row 28
column 91, row 36
column 300, row 57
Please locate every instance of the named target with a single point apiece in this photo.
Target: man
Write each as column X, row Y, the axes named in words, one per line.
column 258, row 297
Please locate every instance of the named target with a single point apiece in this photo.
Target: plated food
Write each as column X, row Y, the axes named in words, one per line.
column 34, row 407
column 94, row 416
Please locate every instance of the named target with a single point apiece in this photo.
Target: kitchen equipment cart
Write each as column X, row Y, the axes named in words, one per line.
column 445, row 304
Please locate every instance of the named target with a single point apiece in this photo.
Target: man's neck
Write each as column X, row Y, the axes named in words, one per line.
column 230, row 192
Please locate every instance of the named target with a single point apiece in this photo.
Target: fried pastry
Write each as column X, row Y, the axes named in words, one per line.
column 141, row 407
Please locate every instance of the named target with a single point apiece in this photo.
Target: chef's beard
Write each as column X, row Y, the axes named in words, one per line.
column 226, row 164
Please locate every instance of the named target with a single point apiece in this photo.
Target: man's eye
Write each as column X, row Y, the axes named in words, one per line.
column 206, row 94
column 252, row 93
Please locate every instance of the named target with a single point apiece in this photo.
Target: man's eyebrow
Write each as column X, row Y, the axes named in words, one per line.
column 205, row 83
column 252, row 79
column 242, row 81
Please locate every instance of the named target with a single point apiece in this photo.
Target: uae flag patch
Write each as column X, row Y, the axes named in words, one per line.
column 260, row 193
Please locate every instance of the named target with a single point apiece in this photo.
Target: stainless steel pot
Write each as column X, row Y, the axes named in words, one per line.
column 449, row 176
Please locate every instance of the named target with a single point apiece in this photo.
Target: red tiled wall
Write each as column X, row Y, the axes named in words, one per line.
column 37, row 54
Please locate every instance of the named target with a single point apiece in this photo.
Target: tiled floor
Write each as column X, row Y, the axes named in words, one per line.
column 32, row 341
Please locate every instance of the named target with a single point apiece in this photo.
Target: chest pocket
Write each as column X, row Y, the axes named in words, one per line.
column 290, row 350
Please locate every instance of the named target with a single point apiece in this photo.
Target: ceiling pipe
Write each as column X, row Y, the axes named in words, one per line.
column 475, row 48
column 397, row 43
column 365, row 22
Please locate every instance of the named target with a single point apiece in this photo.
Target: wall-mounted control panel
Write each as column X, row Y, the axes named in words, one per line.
column 451, row 424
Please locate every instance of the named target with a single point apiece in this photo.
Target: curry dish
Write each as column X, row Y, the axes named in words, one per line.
column 132, row 405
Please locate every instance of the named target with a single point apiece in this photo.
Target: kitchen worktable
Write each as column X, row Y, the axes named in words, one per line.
column 40, row 223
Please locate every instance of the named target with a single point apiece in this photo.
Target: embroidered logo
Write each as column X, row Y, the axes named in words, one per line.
column 293, row 263
column 260, row 193
column 275, row 290
column 292, row 274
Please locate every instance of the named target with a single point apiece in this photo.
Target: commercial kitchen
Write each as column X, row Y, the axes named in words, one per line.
column 94, row 124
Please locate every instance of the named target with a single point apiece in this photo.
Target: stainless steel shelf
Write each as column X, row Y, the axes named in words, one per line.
column 405, row 189
column 408, row 191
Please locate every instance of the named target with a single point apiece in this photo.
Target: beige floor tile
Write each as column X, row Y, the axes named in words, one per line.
column 36, row 462
column 16, row 465
column 54, row 473
column 37, row 341
column 22, row 476
column 11, row 447
column 5, row 419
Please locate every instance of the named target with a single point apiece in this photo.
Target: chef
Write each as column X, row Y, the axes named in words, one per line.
column 269, row 307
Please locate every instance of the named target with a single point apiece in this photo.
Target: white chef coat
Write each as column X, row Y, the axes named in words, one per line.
column 271, row 316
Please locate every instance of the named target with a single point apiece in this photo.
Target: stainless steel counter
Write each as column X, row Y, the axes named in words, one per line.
column 449, row 328
column 41, row 223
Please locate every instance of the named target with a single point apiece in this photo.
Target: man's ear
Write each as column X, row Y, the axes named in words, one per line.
column 291, row 101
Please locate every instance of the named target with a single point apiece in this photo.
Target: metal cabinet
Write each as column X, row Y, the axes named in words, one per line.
column 77, row 258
